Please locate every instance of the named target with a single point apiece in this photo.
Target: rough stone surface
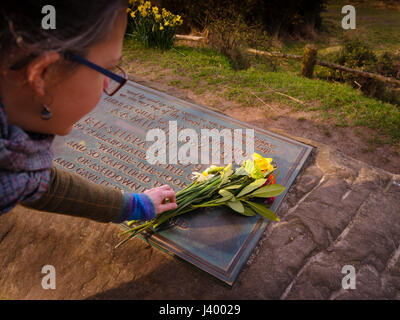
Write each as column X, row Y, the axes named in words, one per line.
column 338, row 212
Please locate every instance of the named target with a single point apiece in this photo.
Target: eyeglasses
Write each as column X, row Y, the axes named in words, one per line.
column 117, row 76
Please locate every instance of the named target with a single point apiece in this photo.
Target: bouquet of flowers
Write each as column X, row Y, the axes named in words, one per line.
column 223, row 186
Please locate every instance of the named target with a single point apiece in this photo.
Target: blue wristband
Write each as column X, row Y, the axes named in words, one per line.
column 141, row 207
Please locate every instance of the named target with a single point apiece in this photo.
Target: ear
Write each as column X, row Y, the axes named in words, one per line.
column 37, row 68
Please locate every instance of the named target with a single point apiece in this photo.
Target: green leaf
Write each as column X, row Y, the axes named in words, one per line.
column 252, row 186
column 248, row 211
column 226, row 196
column 234, row 186
column 269, row 191
column 236, row 205
column 263, row 211
column 225, row 193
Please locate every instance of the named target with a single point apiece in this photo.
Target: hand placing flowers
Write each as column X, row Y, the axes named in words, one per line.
column 220, row 186
column 163, row 198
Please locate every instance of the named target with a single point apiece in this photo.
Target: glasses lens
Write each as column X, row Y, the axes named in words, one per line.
column 113, row 85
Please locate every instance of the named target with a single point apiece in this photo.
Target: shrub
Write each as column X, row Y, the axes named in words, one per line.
column 228, row 34
column 150, row 26
column 357, row 55
column 388, row 64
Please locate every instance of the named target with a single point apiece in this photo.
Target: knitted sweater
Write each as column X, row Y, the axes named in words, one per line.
column 28, row 177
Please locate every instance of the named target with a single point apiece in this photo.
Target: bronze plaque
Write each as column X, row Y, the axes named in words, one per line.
column 108, row 146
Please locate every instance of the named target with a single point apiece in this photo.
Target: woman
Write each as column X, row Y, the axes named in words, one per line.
column 51, row 78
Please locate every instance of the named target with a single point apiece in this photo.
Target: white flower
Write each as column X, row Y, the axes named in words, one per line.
column 202, row 176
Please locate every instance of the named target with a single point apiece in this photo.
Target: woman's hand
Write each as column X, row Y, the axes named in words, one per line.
column 158, row 196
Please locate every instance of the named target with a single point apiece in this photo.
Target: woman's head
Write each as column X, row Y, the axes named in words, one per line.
column 35, row 70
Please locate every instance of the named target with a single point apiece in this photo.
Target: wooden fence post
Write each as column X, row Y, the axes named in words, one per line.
column 309, row 59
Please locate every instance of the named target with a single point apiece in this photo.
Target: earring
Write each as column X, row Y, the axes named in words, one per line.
column 46, row 114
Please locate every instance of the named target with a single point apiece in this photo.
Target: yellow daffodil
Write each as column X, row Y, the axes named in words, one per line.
column 155, row 10
column 202, row 176
column 157, row 17
column 263, row 163
column 177, row 20
column 161, row 27
column 166, row 23
column 213, row 169
column 226, row 172
column 210, row 172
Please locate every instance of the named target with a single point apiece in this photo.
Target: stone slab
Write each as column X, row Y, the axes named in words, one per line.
column 287, row 263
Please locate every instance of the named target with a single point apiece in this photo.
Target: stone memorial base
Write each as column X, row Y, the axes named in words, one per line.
column 339, row 211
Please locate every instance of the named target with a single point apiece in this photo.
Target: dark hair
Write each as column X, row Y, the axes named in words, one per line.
column 79, row 25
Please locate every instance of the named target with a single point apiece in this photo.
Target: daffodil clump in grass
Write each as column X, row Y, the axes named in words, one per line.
column 237, row 189
column 152, row 27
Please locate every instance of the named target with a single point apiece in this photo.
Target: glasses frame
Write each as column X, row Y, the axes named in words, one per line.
column 108, row 73
column 69, row 55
